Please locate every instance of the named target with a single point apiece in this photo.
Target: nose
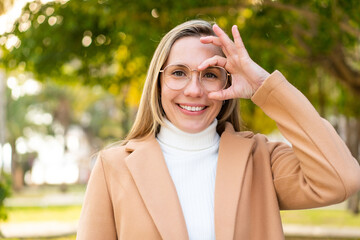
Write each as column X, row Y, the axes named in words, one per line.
column 194, row 87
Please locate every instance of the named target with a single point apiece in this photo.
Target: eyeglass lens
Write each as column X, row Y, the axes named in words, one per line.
column 177, row 76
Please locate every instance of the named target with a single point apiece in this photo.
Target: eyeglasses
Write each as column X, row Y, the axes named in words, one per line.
column 177, row 76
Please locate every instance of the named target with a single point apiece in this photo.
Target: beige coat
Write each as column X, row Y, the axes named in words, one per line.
column 130, row 194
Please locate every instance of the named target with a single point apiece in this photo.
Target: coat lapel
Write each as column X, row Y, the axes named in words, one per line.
column 149, row 171
column 234, row 151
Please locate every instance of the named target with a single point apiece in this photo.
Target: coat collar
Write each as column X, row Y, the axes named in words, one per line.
column 234, row 151
column 152, row 178
column 149, row 171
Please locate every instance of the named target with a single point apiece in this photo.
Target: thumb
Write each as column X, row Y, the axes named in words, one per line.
column 221, row 95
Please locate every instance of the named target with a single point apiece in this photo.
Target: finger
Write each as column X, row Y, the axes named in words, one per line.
column 213, row 61
column 221, row 95
column 214, row 40
column 227, row 43
column 211, row 39
column 237, row 39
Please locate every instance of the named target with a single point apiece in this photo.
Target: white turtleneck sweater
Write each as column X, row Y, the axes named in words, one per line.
column 192, row 160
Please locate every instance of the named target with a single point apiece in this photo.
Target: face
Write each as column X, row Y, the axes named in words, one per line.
column 189, row 109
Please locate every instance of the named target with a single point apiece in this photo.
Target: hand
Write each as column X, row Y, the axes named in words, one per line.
column 247, row 76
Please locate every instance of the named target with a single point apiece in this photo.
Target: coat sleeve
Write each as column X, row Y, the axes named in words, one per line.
column 97, row 219
column 318, row 169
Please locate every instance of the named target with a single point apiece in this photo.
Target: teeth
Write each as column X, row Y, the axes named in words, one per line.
column 193, row 109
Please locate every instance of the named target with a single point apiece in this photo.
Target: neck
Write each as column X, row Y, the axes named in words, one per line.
column 174, row 137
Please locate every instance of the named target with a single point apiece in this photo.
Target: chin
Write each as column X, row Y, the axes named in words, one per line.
column 193, row 128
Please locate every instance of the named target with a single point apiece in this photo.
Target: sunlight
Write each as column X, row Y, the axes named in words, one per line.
column 7, row 20
column 15, row 12
column 5, row 157
column 21, row 86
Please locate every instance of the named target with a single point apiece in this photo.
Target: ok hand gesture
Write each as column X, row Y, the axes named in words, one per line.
column 246, row 75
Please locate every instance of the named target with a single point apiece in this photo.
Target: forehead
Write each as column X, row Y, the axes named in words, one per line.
column 190, row 51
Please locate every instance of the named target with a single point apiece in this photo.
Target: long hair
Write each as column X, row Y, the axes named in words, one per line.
column 150, row 115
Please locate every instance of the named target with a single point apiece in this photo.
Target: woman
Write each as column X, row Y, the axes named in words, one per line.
column 185, row 171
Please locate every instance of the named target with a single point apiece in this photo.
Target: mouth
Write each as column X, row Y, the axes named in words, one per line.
column 192, row 108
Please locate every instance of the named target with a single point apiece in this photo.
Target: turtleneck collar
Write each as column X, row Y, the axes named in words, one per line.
column 171, row 136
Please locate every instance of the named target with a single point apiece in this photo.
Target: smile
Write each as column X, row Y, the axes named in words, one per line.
column 192, row 108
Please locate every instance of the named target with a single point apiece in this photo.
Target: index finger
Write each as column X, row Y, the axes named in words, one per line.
column 237, row 39
column 215, row 41
column 226, row 42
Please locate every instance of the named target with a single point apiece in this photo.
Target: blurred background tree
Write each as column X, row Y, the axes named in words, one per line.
column 5, row 180
column 109, row 43
column 5, row 5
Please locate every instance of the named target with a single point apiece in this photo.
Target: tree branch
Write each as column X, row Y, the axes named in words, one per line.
column 340, row 68
column 311, row 16
column 355, row 32
column 215, row 9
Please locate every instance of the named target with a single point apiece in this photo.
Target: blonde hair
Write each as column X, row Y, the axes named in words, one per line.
column 150, row 115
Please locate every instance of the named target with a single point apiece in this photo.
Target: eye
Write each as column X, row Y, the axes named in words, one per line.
column 209, row 75
column 178, row 73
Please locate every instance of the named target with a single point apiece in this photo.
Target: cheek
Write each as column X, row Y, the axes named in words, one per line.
column 166, row 96
column 162, row 92
column 217, row 106
column 163, row 101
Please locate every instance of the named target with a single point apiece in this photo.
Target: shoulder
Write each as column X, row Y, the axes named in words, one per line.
column 260, row 142
column 113, row 154
column 111, row 160
column 257, row 137
column 118, row 154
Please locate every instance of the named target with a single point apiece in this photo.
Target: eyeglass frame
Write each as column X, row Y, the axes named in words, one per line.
column 228, row 75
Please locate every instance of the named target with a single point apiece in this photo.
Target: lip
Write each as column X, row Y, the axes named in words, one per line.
column 189, row 112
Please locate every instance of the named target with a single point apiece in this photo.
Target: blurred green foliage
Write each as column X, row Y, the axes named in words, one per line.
column 5, row 192
column 74, row 46
column 123, row 32
column 110, row 43
column 44, row 214
column 321, row 217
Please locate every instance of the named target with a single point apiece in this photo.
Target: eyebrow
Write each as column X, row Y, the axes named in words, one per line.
column 181, row 63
